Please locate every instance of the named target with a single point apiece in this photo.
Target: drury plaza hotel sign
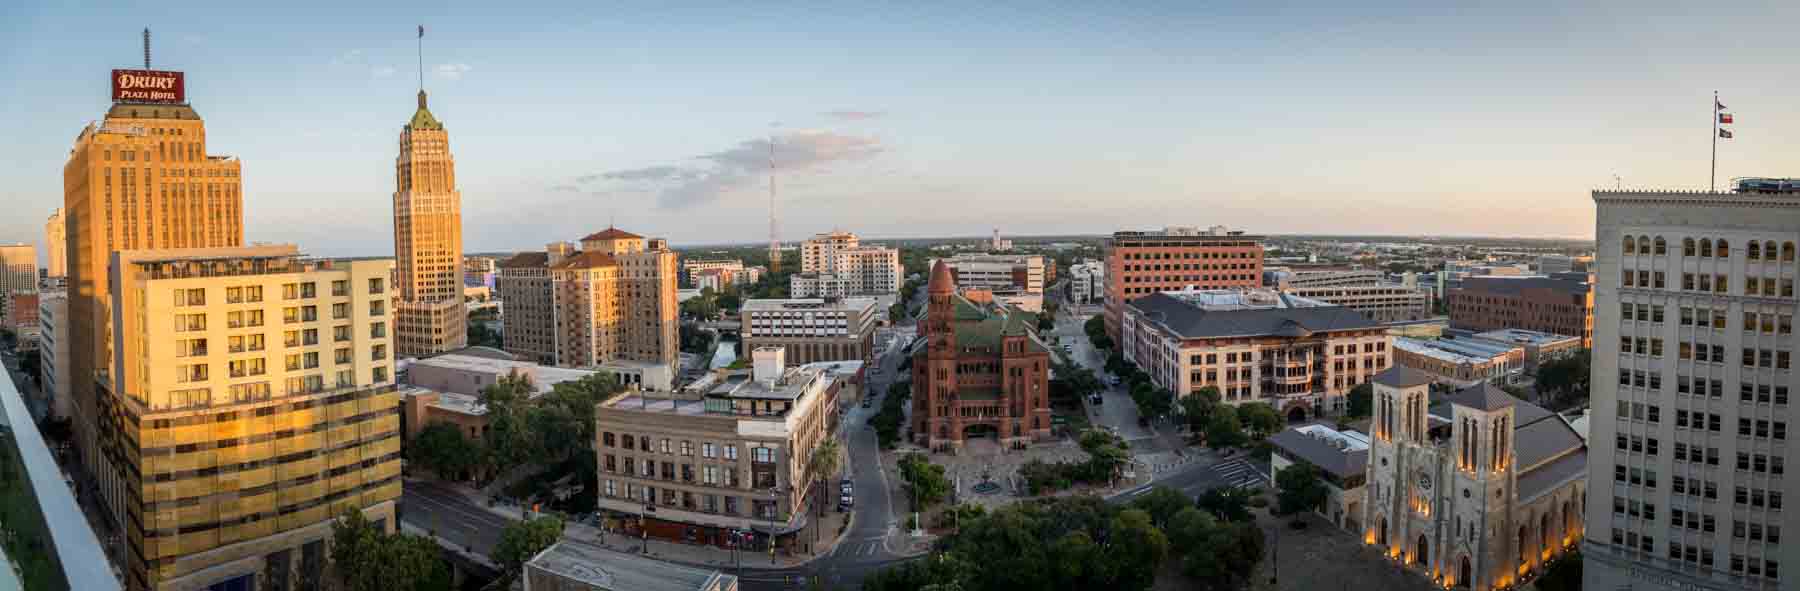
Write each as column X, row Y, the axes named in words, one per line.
column 148, row 86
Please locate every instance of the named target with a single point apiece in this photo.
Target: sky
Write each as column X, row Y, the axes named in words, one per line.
column 926, row 119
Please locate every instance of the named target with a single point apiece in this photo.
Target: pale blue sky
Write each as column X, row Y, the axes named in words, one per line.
column 908, row 119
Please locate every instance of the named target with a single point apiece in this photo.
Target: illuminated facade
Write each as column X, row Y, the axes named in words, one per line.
column 428, row 241
column 141, row 178
column 614, row 303
column 1475, row 490
column 252, row 402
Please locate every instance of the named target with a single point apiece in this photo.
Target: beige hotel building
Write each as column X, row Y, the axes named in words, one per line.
column 251, row 402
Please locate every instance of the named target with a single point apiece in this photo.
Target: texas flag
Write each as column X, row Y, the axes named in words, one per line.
column 1717, row 106
column 1725, row 133
column 1724, row 117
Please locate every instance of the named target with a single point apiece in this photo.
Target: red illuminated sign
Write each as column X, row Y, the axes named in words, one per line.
column 148, row 86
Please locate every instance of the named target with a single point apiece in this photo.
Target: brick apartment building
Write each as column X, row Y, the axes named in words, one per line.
column 1142, row 263
column 1561, row 305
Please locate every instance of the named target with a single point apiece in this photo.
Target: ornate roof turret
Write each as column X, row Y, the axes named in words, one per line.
column 942, row 282
column 422, row 118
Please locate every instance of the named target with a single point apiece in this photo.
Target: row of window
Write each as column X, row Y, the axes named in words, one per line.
column 1746, row 462
column 1765, row 322
column 706, row 503
column 1707, row 247
column 707, row 449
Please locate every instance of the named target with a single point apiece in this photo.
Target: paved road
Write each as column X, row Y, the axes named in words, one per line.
column 1117, row 409
column 437, row 508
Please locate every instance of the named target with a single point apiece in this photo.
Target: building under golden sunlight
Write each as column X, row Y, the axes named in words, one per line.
column 614, row 304
column 428, row 240
column 139, row 179
column 251, row 402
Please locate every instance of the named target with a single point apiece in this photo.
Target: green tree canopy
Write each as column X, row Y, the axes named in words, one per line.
column 1301, row 488
column 1260, row 419
column 1361, row 400
column 925, row 480
column 1161, row 504
column 1224, row 430
column 1198, row 407
column 442, row 448
column 367, row 559
column 1225, row 503
column 522, row 540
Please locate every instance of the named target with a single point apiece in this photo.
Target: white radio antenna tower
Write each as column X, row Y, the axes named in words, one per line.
column 774, row 240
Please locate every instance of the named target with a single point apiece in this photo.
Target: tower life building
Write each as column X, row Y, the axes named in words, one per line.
column 430, row 314
column 141, row 178
column 1692, row 373
column 980, row 372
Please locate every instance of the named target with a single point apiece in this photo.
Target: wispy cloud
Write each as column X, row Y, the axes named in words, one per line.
column 681, row 186
column 452, row 71
column 855, row 115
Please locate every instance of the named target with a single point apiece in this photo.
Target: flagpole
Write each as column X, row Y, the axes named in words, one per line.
column 1712, row 176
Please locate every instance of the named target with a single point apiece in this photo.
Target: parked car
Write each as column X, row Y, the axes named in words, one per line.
column 866, row 402
column 1097, row 399
column 845, row 486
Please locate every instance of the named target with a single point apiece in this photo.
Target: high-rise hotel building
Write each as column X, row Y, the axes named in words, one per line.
column 141, row 178
column 428, row 240
column 1693, row 373
column 252, row 403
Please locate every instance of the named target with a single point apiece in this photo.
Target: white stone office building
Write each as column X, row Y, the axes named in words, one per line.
column 837, row 264
column 1692, row 373
column 1087, row 282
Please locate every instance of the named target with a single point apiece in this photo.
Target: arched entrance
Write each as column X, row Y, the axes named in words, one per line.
column 1381, row 533
column 1297, row 414
column 980, row 431
column 1422, row 551
column 1465, row 576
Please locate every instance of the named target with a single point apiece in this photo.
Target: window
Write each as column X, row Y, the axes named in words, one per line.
column 342, row 355
column 731, row 452
column 375, row 286
column 377, row 307
column 378, row 353
column 340, row 287
column 190, row 322
column 707, row 450
column 377, row 330
column 340, row 333
column 190, row 297
column 762, row 455
column 340, row 311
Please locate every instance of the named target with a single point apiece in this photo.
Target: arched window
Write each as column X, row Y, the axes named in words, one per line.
column 1769, row 250
column 1687, row 247
column 1705, row 248
column 1787, row 252
column 1753, row 251
column 1524, row 557
column 1643, row 245
column 1724, row 249
column 1662, row 246
column 1630, row 245
column 1544, row 530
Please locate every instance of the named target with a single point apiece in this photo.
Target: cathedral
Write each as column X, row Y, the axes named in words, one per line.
column 1476, row 489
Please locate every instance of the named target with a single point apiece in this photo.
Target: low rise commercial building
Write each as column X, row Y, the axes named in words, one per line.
column 1087, row 282
column 723, row 459
column 812, row 329
column 1462, row 362
column 1340, row 456
column 1539, row 346
column 569, row 565
column 1558, row 305
column 1298, row 355
column 1000, row 272
column 473, row 369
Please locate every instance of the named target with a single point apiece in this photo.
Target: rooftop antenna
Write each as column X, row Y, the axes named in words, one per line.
column 421, row 59
column 146, row 48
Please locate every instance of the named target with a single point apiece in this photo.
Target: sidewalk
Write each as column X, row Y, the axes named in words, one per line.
column 830, row 532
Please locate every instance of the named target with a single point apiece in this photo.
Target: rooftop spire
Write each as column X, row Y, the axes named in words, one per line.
column 146, row 48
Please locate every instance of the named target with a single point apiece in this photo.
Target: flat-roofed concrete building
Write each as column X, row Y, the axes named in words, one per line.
column 1692, row 352
column 726, row 454
column 1365, row 291
column 1142, row 263
column 837, row 264
column 1087, row 282
column 53, row 353
column 569, row 565
column 1300, row 356
column 1001, row 272
column 812, row 329
column 1462, row 362
column 250, row 402
column 1559, row 305
column 1539, row 346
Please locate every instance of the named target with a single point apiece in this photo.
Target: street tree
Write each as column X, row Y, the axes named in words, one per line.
column 1137, row 549
column 925, row 480
column 1161, row 504
column 1301, row 488
column 1222, row 556
column 509, row 440
column 367, row 559
column 1198, row 407
column 1225, row 503
column 1260, row 419
column 826, row 458
column 1224, row 430
column 522, row 540
column 442, row 448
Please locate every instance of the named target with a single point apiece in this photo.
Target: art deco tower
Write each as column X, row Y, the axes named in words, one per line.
column 427, row 240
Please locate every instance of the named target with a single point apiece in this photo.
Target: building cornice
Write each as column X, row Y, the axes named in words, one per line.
column 1706, row 198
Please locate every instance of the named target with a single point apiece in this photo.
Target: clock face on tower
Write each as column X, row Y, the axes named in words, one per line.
column 1424, row 480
